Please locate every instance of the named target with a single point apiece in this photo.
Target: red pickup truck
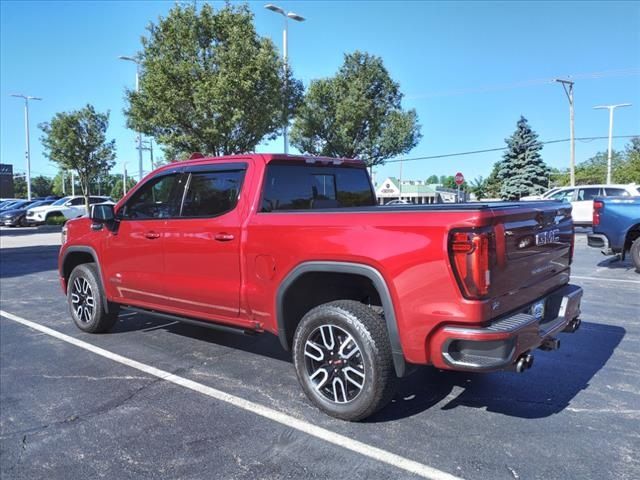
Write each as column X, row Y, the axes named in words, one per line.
column 298, row 247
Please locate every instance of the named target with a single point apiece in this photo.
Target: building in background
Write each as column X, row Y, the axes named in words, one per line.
column 414, row 191
column 6, row 181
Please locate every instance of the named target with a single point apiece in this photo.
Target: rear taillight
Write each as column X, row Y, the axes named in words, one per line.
column 597, row 208
column 471, row 253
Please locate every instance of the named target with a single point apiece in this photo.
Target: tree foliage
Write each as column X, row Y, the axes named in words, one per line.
column 41, row 186
column 356, row 114
column 493, row 183
column 77, row 141
column 19, row 187
column 209, row 83
column 116, row 191
column 478, row 187
column 522, row 170
column 432, row 179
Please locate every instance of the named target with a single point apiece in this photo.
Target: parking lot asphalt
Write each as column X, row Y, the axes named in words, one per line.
column 67, row 412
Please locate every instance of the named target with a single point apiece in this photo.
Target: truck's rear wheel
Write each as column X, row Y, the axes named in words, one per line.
column 86, row 301
column 635, row 253
column 342, row 356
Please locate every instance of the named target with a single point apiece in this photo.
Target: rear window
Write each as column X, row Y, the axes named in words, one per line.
column 588, row 193
column 311, row 187
column 616, row 192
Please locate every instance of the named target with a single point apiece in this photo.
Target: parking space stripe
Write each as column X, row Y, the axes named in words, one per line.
column 600, row 279
column 342, row 441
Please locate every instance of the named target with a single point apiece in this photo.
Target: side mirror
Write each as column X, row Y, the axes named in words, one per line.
column 102, row 214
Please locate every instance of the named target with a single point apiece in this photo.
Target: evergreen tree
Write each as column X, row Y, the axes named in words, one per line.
column 522, row 171
column 493, row 182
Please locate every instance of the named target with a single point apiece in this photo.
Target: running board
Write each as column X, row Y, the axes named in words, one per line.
column 193, row 321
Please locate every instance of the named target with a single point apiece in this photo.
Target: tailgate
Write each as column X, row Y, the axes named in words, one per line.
column 533, row 249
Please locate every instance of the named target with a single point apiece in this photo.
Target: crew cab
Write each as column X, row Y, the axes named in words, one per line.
column 616, row 227
column 68, row 207
column 359, row 293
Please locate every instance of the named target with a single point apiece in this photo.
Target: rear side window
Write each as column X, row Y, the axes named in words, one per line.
column 309, row 187
column 77, row 201
column 158, row 198
column 563, row 195
column 587, row 193
column 616, row 192
column 212, row 193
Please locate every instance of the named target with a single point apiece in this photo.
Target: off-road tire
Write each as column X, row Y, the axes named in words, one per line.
column 84, row 289
column 635, row 253
column 368, row 329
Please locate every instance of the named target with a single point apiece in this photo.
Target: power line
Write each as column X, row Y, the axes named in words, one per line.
column 626, row 72
column 472, row 152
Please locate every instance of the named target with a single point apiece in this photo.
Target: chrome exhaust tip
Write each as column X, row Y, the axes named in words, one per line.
column 524, row 362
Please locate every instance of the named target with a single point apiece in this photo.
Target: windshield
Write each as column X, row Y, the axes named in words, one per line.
column 62, row 201
column 40, row 203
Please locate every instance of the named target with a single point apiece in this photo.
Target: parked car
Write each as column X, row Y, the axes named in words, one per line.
column 16, row 215
column 399, row 202
column 297, row 247
column 581, row 198
column 6, row 203
column 616, row 227
column 68, row 207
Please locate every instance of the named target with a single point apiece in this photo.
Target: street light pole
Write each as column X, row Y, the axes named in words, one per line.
column 567, row 85
column 139, row 136
column 26, row 134
column 611, row 108
column 285, row 59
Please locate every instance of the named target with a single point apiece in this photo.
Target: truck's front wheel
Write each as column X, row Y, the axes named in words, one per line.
column 87, row 304
column 342, row 356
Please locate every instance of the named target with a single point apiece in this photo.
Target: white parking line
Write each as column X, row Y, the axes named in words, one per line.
column 356, row 446
column 600, row 279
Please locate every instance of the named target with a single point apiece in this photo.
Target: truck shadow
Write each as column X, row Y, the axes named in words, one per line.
column 546, row 389
column 18, row 261
column 616, row 263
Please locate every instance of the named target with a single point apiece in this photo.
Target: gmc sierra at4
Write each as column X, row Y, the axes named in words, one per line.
column 298, row 247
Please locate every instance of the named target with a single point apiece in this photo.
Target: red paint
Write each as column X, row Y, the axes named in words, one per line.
column 228, row 269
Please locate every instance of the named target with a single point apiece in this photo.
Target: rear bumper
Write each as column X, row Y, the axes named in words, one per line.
column 597, row 240
column 499, row 345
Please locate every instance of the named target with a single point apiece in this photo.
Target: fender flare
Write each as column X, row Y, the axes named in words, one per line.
column 367, row 271
column 92, row 252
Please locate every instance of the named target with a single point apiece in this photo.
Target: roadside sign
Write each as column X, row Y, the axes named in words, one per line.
column 459, row 178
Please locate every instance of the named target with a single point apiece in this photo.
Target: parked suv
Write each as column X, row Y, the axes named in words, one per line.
column 68, row 207
column 581, row 198
column 297, row 247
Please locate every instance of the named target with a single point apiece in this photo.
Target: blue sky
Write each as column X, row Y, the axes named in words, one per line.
column 457, row 64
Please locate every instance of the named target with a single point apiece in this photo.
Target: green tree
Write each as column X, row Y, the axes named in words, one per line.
column 19, row 187
column 77, row 141
column 449, row 181
column 356, row 114
column 479, row 188
column 522, row 171
column 630, row 170
column 116, row 191
column 209, row 83
column 432, row 179
column 493, row 183
column 41, row 186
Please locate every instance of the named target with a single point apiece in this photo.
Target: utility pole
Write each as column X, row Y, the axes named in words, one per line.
column 139, row 135
column 297, row 18
column 26, row 132
column 567, row 85
column 611, row 108
column 64, row 189
column 73, row 184
column 124, row 179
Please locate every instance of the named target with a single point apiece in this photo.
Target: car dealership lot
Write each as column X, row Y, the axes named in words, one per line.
column 69, row 412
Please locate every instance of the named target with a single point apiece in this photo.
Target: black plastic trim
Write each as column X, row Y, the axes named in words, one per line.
column 92, row 252
column 380, row 285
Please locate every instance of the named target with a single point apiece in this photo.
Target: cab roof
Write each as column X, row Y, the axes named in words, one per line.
column 199, row 159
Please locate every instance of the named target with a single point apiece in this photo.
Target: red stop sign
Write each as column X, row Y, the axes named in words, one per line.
column 459, row 178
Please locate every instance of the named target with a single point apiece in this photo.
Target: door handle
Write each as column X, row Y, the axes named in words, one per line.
column 152, row 235
column 224, row 237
